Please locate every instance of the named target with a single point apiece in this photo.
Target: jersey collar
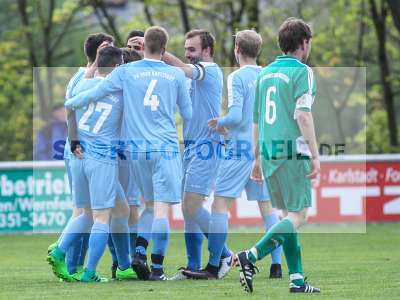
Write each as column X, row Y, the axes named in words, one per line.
column 286, row 57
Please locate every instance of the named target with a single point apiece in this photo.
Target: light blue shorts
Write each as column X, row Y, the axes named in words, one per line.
column 68, row 169
column 200, row 166
column 234, row 176
column 158, row 174
column 95, row 183
column 128, row 183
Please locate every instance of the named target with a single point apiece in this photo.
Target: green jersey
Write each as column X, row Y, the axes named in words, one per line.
column 283, row 87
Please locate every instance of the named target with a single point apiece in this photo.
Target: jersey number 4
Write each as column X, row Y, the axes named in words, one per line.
column 102, row 107
column 270, row 106
column 150, row 99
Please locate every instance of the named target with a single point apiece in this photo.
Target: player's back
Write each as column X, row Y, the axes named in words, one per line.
column 151, row 90
column 206, row 96
column 280, row 85
column 99, row 123
column 241, row 86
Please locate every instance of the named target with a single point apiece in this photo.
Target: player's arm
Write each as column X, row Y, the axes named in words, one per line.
column 73, row 133
column 184, row 103
column 192, row 71
column 306, row 124
column 235, row 103
column 112, row 83
column 304, row 95
column 256, row 172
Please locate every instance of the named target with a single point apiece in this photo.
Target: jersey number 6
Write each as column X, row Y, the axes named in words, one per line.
column 270, row 106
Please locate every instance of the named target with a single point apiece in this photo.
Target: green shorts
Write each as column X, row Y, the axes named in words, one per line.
column 289, row 187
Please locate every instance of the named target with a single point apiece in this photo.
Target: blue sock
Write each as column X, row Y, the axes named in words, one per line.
column 217, row 235
column 73, row 254
column 120, row 236
column 133, row 229
column 97, row 244
column 84, row 248
column 269, row 221
column 145, row 223
column 193, row 241
column 112, row 250
column 160, row 236
column 202, row 218
column 74, row 231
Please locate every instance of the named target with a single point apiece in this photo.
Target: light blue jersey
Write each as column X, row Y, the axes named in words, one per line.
column 99, row 124
column 152, row 90
column 234, row 171
column 69, row 92
column 95, row 178
column 203, row 147
column 241, row 94
column 206, row 95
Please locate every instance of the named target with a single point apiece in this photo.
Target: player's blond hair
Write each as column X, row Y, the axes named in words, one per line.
column 155, row 39
column 249, row 42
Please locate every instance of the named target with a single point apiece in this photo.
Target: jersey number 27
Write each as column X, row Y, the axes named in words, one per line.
column 102, row 107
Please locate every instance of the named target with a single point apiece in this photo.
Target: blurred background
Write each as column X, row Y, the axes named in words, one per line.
column 360, row 109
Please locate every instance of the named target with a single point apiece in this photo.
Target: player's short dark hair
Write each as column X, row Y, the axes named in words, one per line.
column 206, row 38
column 292, row 33
column 249, row 42
column 134, row 33
column 109, row 57
column 93, row 41
column 130, row 55
column 155, row 39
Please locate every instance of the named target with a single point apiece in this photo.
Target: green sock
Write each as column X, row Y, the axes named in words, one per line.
column 275, row 237
column 292, row 251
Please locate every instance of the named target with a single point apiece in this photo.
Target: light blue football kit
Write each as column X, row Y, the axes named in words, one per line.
column 234, row 171
column 203, row 147
column 95, row 177
column 202, row 153
column 152, row 92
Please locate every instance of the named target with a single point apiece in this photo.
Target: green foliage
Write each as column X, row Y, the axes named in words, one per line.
column 337, row 42
column 15, row 103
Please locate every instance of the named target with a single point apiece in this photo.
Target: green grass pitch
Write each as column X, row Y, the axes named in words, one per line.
column 344, row 266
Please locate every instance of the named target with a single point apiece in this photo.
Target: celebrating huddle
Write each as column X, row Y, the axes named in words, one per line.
column 123, row 149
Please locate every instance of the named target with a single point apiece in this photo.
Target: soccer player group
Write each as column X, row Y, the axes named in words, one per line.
column 123, row 147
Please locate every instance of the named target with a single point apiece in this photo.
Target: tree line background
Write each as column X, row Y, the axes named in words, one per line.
column 358, row 106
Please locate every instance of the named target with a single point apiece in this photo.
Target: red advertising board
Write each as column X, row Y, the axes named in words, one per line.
column 352, row 189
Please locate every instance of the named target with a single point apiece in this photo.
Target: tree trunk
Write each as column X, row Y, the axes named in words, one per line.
column 184, row 15
column 395, row 10
column 379, row 20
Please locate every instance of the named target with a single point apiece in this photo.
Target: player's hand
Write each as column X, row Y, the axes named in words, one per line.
column 102, row 46
column 256, row 172
column 136, row 43
column 213, row 123
column 78, row 152
column 222, row 130
column 315, row 169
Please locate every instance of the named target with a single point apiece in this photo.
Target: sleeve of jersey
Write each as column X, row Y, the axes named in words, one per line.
column 184, row 103
column 256, row 109
column 235, row 102
column 304, row 90
column 112, row 83
column 198, row 71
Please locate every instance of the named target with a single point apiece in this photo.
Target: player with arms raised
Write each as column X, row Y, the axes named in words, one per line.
column 284, row 132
